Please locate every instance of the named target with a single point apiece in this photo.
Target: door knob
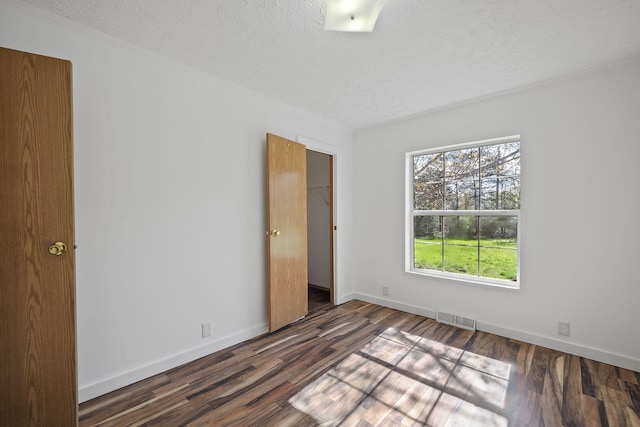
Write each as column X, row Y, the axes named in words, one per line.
column 273, row 233
column 57, row 248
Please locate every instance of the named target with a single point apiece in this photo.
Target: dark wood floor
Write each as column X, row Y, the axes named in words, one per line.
column 360, row 364
column 318, row 297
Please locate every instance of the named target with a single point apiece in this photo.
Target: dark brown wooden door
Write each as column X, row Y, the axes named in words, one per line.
column 287, row 234
column 37, row 288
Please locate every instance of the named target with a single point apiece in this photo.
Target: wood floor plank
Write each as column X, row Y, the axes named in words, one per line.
column 180, row 416
column 551, row 400
column 633, row 392
column 120, row 401
column 572, row 411
column 614, row 407
column 362, row 364
column 287, row 416
column 357, row 340
column 526, row 410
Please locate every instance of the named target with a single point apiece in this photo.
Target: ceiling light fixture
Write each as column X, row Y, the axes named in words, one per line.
column 352, row 15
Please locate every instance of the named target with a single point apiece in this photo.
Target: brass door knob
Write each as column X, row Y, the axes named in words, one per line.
column 57, row 248
column 273, row 233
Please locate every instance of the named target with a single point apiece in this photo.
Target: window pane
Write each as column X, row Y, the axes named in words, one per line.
column 489, row 160
column 511, row 159
column 428, row 167
column 462, row 195
column 428, row 196
column 499, row 263
column 461, row 244
column 489, row 193
column 500, row 160
column 498, row 247
column 428, row 227
column 462, row 180
column 428, row 177
column 500, row 174
column 511, row 167
column 461, row 259
column 509, row 197
column 461, row 165
column 428, row 242
column 500, row 193
column 502, row 229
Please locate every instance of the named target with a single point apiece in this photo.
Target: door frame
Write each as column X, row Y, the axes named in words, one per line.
column 333, row 152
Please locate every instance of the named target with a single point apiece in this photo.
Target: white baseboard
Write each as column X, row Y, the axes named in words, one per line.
column 409, row 308
column 581, row 350
column 90, row 391
column 341, row 299
column 599, row 355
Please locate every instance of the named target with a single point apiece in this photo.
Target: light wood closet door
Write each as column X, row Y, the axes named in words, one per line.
column 287, row 234
column 38, row 383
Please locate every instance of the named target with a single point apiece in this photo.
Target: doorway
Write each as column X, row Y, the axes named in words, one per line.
column 320, row 228
column 289, row 183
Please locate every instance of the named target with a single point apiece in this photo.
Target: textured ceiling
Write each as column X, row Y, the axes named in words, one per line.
column 422, row 55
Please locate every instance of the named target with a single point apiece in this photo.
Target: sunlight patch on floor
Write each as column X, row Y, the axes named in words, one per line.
column 400, row 379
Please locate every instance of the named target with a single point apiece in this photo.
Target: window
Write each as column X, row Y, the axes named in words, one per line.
column 463, row 212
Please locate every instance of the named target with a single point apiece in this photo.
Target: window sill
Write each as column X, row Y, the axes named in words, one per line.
column 467, row 280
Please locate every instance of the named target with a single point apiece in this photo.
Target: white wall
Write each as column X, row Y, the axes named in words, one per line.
column 319, row 218
column 580, row 232
column 170, row 200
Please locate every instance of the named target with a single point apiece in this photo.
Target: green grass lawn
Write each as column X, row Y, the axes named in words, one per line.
column 498, row 257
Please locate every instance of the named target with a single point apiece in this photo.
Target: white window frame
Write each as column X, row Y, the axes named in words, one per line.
column 410, row 213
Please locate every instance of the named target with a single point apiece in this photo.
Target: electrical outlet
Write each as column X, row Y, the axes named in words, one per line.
column 385, row 291
column 206, row 330
column 564, row 328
